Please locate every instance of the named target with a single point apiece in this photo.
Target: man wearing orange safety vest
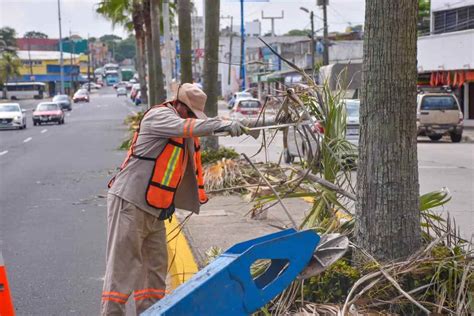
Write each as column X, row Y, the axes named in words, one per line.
column 162, row 171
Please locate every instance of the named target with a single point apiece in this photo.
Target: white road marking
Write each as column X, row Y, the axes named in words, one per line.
column 44, row 131
column 3, row 152
column 28, row 139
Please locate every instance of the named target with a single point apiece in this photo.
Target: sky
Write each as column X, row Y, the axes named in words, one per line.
column 79, row 17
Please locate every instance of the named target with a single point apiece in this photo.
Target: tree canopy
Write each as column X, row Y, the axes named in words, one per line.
column 8, row 36
column 35, row 34
column 297, row 32
column 125, row 49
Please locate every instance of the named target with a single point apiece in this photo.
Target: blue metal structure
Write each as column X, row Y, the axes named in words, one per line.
column 226, row 286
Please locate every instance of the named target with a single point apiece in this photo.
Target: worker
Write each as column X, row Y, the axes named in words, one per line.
column 162, row 171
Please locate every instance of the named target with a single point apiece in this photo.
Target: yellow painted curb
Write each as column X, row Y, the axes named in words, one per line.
column 181, row 263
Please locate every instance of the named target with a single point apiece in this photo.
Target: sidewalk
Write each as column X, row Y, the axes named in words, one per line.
column 223, row 222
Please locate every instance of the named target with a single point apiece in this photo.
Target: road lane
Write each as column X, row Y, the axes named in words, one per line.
column 52, row 232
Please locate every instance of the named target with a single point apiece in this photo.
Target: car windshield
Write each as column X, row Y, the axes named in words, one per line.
column 48, row 107
column 60, row 97
column 244, row 95
column 9, row 108
column 438, row 103
column 249, row 104
column 81, row 92
column 352, row 107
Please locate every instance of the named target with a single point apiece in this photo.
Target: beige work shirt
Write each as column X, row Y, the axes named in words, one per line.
column 158, row 125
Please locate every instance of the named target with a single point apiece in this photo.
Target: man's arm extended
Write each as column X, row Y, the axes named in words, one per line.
column 166, row 123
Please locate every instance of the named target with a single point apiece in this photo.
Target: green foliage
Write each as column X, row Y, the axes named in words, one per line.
column 333, row 285
column 35, row 34
column 296, row 32
column 9, row 67
column 8, row 36
column 212, row 156
column 109, row 38
column 125, row 49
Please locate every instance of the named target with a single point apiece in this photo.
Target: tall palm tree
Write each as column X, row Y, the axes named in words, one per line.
column 149, row 52
column 9, row 68
column 129, row 14
column 185, row 40
column 387, row 206
column 159, row 87
column 211, row 48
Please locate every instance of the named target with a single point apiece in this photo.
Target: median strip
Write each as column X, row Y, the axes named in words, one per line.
column 28, row 139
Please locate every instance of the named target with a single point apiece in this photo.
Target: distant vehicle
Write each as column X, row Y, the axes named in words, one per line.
column 297, row 144
column 47, row 112
column 127, row 74
column 439, row 114
column 92, row 84
column 134, row 91
column 25, row 90
column 120, row 84
column 12, row 115
column 132, row 81
column 111, row 77
column 121, row 91
column 81, row 95
column 247, row 107
column 108, row 67
column 64, row 101
column 236, row 96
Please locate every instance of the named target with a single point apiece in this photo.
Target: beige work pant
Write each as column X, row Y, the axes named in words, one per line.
column 137, row 258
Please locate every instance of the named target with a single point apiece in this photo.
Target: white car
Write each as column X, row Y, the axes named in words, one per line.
column 12, row 115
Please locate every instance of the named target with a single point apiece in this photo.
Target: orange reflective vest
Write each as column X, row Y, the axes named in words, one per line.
column 168, row 171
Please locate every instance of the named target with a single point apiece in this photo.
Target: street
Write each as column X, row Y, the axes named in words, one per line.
column 53, row 188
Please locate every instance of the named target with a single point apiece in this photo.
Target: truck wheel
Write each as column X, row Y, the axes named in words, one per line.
column 455, row 138
column 435, row 137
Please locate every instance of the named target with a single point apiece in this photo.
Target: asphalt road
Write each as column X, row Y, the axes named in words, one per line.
column 53, row 210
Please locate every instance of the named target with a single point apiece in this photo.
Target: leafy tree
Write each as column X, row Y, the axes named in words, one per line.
column 424, row 15
column 387, row 207
column 125, row 49
column 9, row 68
column 298, row 32
column 109, row 38
column 8, row 37
column 35, row 34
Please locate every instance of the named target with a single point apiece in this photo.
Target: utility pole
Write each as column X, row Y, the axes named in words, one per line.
column 29, row 57
column 61, row 60
column 324, row 4
column 167, row 48
column 273, row 18
column 88, row 65
column 242, row 45
column 230, row 44
column 313, row 44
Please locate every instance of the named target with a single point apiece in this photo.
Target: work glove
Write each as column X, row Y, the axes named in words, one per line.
column 235, row 129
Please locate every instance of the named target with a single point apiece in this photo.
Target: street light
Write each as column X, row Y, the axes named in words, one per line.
column 311, row 16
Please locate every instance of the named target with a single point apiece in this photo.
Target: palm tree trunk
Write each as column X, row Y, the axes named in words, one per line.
column 388, row 223
column 185, row 39
column 211, row 47
column 158, row 86
column 137, row 18
column 149, row 51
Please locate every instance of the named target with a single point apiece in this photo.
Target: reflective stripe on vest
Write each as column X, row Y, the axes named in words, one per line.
column 199, row 173
column 166, row 175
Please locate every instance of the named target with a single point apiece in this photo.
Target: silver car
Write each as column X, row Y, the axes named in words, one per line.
column 12, row 116
column 296, row 141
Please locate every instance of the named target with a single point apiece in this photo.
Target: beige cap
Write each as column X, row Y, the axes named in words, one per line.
column 194, row 98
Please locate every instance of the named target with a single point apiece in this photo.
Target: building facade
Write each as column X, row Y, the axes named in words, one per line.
column 446, row 56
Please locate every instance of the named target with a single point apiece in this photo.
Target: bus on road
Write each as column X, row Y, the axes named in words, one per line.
column 25, row 90
column 111, row 77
